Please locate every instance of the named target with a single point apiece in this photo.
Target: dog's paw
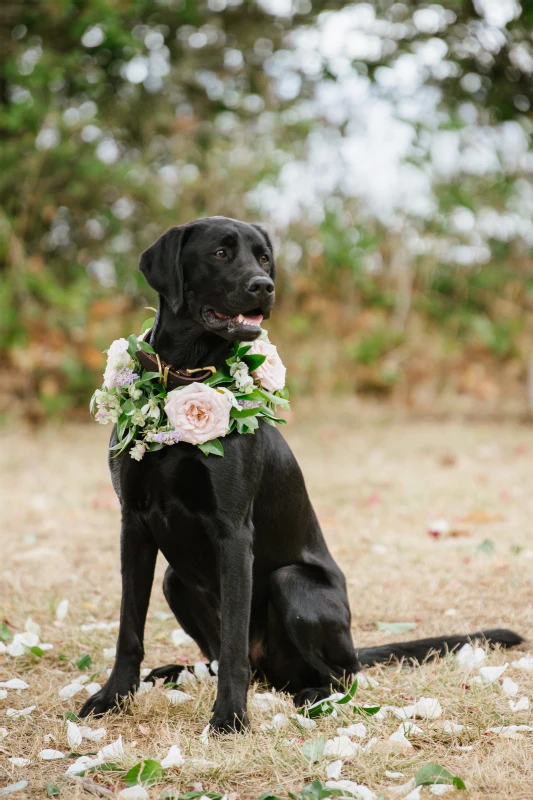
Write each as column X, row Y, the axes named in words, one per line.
column 170, row 673
column 311, row 695
column 229, row 723
column 110, row 697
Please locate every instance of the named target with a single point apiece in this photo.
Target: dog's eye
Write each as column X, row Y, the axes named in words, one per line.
column 221, row 253
column 264, row 259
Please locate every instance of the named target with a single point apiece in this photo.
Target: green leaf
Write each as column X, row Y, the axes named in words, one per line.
column 325, row 707
column 125, row 442
column 148, row 323
column 350, row 694
column 145, row 772
column 173, row 795
column 245, row 412
column 145, row 346
column 434, row 773
column 214, row 446
column 5, row 633
column 84, row 661
column 133, row 345
column 253, row 361
column 35, row 651
column 70, row 715
column 220, row 376
column 369, row 710
column 52, row 790
column 240, row 353
column 313, row 749
column 395, row 627
column 148, row 376
column 487, row 547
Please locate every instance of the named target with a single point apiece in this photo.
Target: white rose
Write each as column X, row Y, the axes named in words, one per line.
column 271, row 373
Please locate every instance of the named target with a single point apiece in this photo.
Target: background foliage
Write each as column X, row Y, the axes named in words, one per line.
column 122, row 117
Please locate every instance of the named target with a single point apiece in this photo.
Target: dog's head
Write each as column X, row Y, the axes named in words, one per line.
column 217, row 271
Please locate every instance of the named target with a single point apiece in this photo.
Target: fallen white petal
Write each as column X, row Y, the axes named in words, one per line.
column 145, row 672
column 112, row 751
column 410, row 728
column 14, row 787
column 365, row 681
column 441, row 788
column 427, row 708
column 201, row 671
column 340, row 747
column 144, row 687
column 510, row 731
column 520, row 705
column 470, row 658
column 366, row 748
column 358, row 729
column 526, row 662
column 82, row 764
column 176, row 697
column 3, row 648
column 51, row 755
column 414, row 795
column 62, row 610
column 187, row 678
column 19, row 762
column 3, row 694
column 204, row 736
column 22, row 712
column 46, row 646
column 334, row 769
column 358, row 790
column 134, row 793
column 74, row 735
column 492, row 674
column 32, row 626
column 14, row 683
column 465, row 747
column 110, row 652
column 509, row 687
column 92, row 688
column 99, row 626
column 97, row 735
column 394, row 775
column 173, row 758
column 214, row 667
column 403, row 789
column 279, row 721
column 264, row 701
column 402, row 713
column 3, row 733
column 179, row 637
column 452, row 727
column 70, row 690
column 304, row 722
column 21, row 642
column 400, row 737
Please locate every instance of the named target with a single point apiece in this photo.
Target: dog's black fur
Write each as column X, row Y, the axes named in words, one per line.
column 250, row 576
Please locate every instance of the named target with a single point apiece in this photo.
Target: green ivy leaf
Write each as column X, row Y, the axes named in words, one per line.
column 214, row 446
column 35, row 651
column 145, row 772
column 147, row 348
column 52, row 790
column 313, row 749
column 253, row 361
column 148, row 323
column 69, row 715
column 434, row 773
column 84, row 662
column 5, row 633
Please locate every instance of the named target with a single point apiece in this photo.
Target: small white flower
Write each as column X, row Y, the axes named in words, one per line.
column 138, row 450
column 138, row 418
column 151, row 409
column 173, row 758
column 134, row 392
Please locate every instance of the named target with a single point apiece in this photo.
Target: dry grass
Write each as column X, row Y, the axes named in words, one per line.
column 374, row 480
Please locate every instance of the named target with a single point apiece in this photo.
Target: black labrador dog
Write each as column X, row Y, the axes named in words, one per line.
column 250, row 576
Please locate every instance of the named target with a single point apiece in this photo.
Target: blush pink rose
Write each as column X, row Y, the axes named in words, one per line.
column 271, row 373
column 199, row 412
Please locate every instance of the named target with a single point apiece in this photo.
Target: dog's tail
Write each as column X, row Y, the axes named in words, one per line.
column 419, row 650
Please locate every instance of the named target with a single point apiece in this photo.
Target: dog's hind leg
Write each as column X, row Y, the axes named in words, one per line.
column 197, row 615
column 309, row 643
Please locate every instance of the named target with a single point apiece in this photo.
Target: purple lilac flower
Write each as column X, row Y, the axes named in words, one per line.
column 166, row 437
column 125, row 377
column 249, row 403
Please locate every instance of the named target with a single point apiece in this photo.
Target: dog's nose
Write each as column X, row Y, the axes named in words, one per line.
column 261, row 286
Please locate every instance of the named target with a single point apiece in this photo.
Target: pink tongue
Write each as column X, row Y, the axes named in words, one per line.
column 253, row 319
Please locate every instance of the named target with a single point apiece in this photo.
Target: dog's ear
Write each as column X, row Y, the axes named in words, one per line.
column 267, row 239
column 161, row 266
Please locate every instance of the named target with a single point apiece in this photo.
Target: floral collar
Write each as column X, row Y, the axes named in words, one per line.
column 201, row 410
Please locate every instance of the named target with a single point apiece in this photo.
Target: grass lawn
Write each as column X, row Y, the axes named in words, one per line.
column 377, row 481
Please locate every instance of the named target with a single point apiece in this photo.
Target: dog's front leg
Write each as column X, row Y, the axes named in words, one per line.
column 138, row 553
column 236, row 558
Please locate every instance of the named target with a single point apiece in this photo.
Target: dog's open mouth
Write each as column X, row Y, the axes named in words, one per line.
column 246, row 325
